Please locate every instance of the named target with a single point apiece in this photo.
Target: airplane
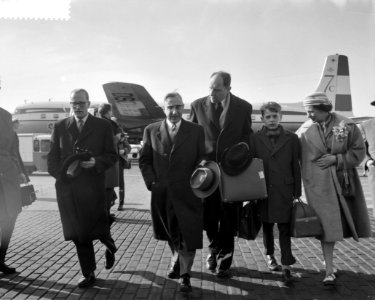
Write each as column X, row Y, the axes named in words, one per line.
column 134, row 108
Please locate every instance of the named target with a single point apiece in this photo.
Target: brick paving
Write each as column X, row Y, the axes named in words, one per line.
column 48, row 268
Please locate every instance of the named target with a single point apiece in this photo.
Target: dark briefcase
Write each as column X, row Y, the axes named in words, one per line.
column 27, row 194
column 249, row 223
column 305, row 222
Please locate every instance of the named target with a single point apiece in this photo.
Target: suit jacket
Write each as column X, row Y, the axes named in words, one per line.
column 175, row 210
column 237, row 125
column 10, row 194
column 81, row 202
column 282, row 171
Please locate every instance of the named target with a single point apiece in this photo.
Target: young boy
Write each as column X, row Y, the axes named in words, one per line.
column 280, row 151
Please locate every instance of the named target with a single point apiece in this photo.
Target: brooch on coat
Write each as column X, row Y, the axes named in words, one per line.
column 340, row 132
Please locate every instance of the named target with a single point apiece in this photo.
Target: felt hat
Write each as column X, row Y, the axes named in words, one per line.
column 71, row 167
column 236, row 159
column 316, row 98
column 205, row 180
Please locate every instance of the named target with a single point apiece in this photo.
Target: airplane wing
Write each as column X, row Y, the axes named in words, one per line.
column 132, row 105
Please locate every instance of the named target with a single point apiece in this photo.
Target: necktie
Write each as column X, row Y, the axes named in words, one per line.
column 218, row 111
column 80, row 125
column 173, row 131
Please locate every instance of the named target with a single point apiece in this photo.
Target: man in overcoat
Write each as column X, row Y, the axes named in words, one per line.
column 280, row 151
column 368, row 132
column 226, row 120
column 172, row 149
column 81, row 200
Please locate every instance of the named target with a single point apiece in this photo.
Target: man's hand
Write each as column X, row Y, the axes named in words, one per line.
column 326, row 161
column 88, row 163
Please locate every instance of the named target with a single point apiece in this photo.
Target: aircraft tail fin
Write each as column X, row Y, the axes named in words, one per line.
column 335, row 82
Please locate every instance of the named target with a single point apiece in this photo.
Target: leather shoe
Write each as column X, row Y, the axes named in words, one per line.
column 109, row 259
column 120, row 207
column 7, row 270
column 174, row 272
column 211, row 262
column 272, row 263
column 222, row 274
column 86, row 281
column 185, row 286
column 287, row 276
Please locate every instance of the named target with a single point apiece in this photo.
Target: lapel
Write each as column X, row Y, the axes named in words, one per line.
column 264, row 139
column 313, row 137
column 281, row 141
column 163, row 136
column 231, row 112
column 87, row 128
column 208, row 108
column 181, row 136
column 72, row 128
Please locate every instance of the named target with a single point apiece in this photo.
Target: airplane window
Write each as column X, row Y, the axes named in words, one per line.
column 36, row 146
column 45, row 145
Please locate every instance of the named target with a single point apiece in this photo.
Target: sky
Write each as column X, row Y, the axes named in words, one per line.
column 275, row 50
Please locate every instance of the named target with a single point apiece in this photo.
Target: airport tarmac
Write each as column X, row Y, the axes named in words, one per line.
column 48, row 266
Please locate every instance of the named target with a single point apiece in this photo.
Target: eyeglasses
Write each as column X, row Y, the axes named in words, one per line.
column 80, row 103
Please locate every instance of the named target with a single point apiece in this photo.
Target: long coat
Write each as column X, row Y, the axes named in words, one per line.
column 10, row 194
column 236, row 128
column 322, row 186
column 282, row 171
column 175, row 209
column 368, row 131
column 81, row 202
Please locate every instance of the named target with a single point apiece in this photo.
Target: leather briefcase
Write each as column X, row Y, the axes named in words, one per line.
column 249, row 222
column 248, row 185
column 28, row 195
column 305, row 222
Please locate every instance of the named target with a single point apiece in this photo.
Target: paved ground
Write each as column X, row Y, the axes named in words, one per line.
column 48, row 267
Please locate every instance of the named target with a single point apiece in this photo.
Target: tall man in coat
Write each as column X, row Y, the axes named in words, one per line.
column 368, row 131
column 81, row 201
column 172, row 149
column 226, row 120
column 280, row 151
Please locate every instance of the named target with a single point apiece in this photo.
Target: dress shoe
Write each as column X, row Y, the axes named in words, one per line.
column 7, row 270
column 330, row 279
column 86, row 281
column 174, row 272
column 121, row 207
column 287, row 276
column 109, row 259
column 272, row 263
column 185, row 286
column 222, row 274
column 211, row 262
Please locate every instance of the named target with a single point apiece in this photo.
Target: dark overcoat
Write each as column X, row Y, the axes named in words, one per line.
column 81, row 202
column 10, row 194
column 175, row 209
column 282, row 172
column 236, row 128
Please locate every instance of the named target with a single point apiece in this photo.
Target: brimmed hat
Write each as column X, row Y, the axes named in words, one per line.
column 71, row 168
column 316, row 98
column 205, row 180
column 373, row 103
column 236, row 159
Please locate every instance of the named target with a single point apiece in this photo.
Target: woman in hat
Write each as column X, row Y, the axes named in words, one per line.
column 332, row 148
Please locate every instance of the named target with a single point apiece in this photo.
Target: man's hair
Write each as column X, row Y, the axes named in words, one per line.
column 104, row 108
column 323, row 107
column 173, row 95
column 226, row 77
column 75, row 91
column 271, row 106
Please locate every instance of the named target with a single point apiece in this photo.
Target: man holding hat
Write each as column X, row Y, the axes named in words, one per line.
column 226, row 120
column 368, row 131
column 172, row 148
column 80, row 181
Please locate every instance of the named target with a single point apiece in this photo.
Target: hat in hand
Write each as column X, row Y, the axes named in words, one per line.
column 71, row 166
column 205, row 180
column 236, row 159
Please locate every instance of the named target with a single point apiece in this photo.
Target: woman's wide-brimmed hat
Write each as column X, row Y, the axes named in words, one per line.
column 236, row 159
column 71, row 167
column 205, row 180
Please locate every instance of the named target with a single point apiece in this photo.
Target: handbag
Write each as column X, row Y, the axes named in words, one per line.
column 304, row 222
column 249, row 222
column 28, row 195
column 249, row 185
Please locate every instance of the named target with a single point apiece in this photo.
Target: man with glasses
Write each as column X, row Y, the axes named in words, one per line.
column 226, row 120
column 172, row 148
column 81, row 200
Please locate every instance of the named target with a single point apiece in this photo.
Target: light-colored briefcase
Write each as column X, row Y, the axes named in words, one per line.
column 248, row 185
